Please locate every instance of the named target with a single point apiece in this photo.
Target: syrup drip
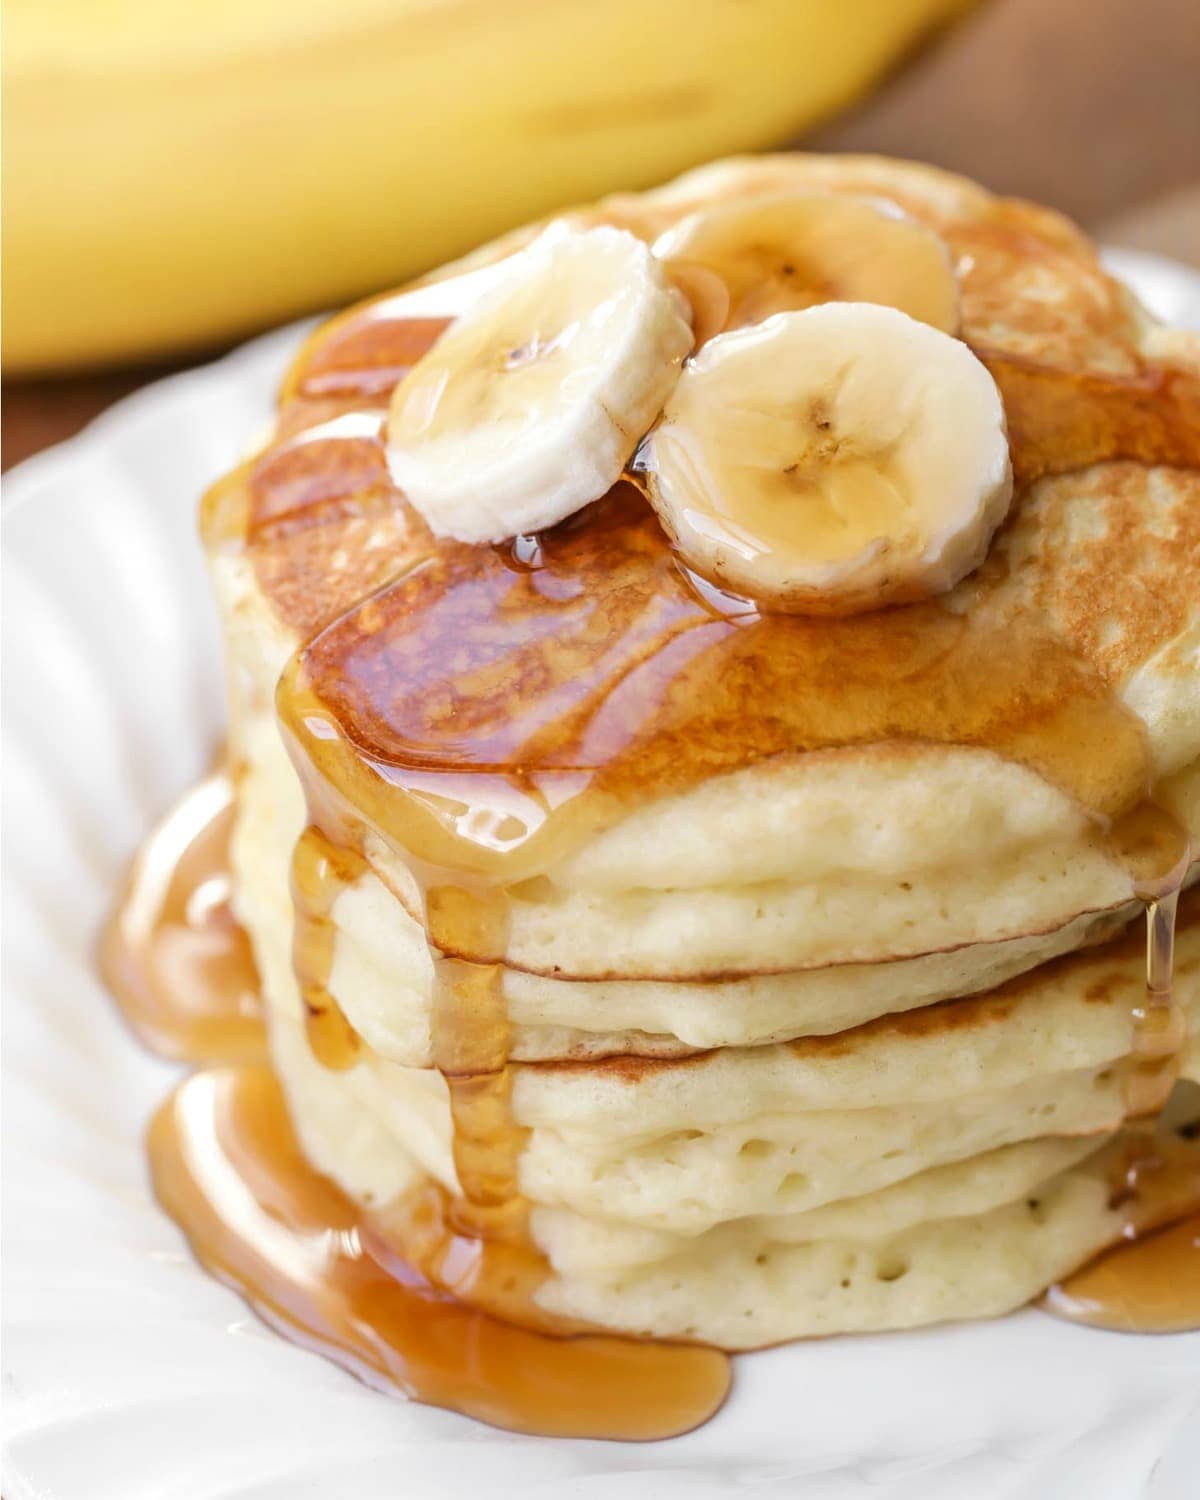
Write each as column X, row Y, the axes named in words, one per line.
column 227, row 1166
column 173, row 953
column 471, row 1038
column 1150, row 1282
column 1155, row 849
column 470, row 1050
column 321, row 870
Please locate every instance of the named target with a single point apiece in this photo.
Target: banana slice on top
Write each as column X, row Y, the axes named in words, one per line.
column 832, row 460
column 530, row 404
column 788, row 251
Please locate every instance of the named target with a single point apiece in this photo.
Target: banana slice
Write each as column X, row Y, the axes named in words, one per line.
column 793, row 250
column 831, row 460
column 530, row 404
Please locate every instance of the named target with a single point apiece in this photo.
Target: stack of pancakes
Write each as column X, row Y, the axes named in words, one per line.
column 836, row 1038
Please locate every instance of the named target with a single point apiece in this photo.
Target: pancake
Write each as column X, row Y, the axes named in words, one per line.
column 686, row 1143
column 752, row 1293
column 777, row 975
column 916, row 1141
column 762, row 862
column 382, row 972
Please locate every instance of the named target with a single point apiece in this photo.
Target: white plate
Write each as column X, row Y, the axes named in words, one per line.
column 128, row 1373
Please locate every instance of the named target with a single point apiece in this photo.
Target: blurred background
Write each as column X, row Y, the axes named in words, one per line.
column 179, row 175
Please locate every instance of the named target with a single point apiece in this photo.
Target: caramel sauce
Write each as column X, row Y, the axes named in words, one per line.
column 173, row 953
column 227, row 1166
column 483, row 711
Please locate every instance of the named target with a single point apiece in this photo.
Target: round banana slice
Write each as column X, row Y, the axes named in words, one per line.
column 530, row 404
column 788, row 251
column 831, row 461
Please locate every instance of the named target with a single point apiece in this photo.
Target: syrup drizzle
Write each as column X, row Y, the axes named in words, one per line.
column 1150, row 1283
column 1156, row 851
column 397, row 1299
column 470, row 1050
column 485, row 710
column 321, row 870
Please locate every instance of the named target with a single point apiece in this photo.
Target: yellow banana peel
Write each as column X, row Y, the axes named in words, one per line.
column 178, row 173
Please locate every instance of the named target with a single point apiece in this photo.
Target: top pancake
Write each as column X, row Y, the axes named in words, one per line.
column 583, row 724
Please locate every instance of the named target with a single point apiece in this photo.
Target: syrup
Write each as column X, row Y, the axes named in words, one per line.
column 1150, row 1285
column 227, row 1167
column 320, row 872
column 173, row 953
column 1150, row 1281
column 394, row 1298
column 470, row 1050
column 1156, row 851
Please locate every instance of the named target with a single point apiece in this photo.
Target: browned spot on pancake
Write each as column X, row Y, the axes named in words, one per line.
column 1059, row 421
column 972, row 1014
column 626, row 1068
column 312, row 585
column 324, row 524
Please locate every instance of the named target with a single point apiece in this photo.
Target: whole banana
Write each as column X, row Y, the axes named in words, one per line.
column 177, row 174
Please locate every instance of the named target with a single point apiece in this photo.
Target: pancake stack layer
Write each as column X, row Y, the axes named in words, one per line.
column 751, row 977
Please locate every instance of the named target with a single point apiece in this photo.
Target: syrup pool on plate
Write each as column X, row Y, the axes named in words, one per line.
column 227, row 1167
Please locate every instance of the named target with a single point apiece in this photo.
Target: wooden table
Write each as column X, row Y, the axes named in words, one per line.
column 1091, row 105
